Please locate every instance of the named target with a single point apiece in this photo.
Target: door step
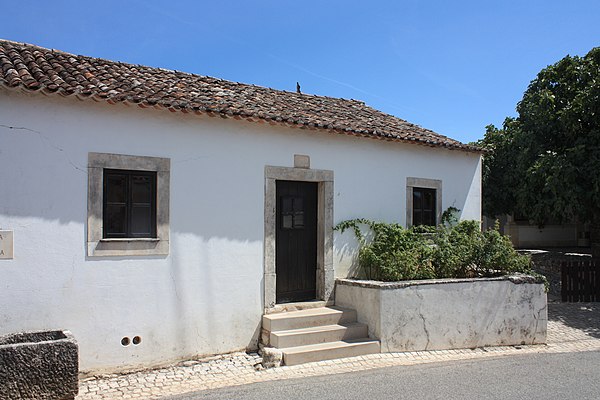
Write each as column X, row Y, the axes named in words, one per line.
column 307, row 318
column 302, row 305
column 329, row 351
column 316, row 334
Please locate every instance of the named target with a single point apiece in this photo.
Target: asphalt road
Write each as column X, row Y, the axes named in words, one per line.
column 531, row 377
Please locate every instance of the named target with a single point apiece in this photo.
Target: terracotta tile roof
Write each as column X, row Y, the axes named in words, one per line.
column 33, row 68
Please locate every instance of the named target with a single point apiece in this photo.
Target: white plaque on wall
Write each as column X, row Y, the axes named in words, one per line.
column 6, row 244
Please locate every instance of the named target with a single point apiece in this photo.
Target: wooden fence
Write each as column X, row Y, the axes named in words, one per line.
column 580, row 281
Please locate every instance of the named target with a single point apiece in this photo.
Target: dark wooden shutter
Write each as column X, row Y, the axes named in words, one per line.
column 424, row 207
column 129, row 204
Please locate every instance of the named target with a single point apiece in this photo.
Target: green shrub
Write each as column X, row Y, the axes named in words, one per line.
column 461, row 250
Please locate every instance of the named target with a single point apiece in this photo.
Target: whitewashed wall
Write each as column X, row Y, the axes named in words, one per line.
column 449, row 313
column 205, row 296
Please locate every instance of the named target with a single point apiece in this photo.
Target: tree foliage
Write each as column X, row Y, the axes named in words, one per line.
column 545, row 163
column 498, row 172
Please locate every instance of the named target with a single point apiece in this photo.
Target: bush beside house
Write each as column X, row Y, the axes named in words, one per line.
column 388, row 252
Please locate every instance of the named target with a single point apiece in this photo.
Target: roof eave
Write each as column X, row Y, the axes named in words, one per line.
column 186, row 108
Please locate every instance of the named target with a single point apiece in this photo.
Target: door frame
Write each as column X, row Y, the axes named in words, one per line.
column 325, row 273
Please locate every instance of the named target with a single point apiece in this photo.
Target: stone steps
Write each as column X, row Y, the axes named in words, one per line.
column 306, row 318
column 317, row 334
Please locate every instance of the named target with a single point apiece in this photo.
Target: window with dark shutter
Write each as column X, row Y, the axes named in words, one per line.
column 424, row 207
column 129, row 209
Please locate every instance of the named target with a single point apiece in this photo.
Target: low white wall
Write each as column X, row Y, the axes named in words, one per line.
column 448, row 314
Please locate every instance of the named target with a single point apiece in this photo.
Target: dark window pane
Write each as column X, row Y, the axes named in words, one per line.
column 299, row 220
column 298, row 204
column 141, row 189
column 287, row 221
column 417, row 217
column 116, row 188
column 417, row 199
column 428, row 201
column 141, row 220
column 424, row 206
column 115, row 220
column 428, row 218
column 287, row 204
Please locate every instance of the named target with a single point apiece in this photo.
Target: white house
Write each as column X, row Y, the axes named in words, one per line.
column 157, row 215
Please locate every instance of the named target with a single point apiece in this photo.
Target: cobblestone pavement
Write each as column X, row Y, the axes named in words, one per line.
column 572, row 327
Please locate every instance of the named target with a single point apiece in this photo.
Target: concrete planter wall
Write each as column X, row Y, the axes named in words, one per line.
column 39, row 365
column 450, row 313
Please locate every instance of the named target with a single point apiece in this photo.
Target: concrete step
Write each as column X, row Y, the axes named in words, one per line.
column 318, row 334
column 329, row 351
column 308, row 318
column 302, row 305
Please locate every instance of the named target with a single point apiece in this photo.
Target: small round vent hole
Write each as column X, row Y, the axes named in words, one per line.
column 125, row 341
column 137, row 340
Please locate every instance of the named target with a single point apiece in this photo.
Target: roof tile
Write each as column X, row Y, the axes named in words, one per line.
column 33, row 68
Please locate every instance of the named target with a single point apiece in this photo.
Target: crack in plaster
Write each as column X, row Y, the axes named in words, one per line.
column 537, row 320
column 420, row 297
column 174, row 284
column 47, row 141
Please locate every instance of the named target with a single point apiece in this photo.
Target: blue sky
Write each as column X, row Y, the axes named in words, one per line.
column 450, row 66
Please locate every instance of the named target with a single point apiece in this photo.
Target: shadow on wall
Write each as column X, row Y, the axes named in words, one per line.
column 464, row 189
column 45, row 179
column 346, row 249
column 49, row 180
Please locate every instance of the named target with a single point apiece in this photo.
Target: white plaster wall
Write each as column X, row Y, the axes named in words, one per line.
column 366, row 302
column 451, row 315
column 205, row 296
column 376, row 188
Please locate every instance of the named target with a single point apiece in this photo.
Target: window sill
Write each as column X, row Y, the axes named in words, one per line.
column 126, row 247
column 121, row 240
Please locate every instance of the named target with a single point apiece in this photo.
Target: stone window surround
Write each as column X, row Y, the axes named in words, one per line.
column 427, row 184
column 98, row 246
column 325, row 272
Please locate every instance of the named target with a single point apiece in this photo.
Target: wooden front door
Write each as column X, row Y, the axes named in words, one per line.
column 296, row 241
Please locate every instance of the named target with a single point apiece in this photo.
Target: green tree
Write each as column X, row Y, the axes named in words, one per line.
column 551, row 151
column 498, row 170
